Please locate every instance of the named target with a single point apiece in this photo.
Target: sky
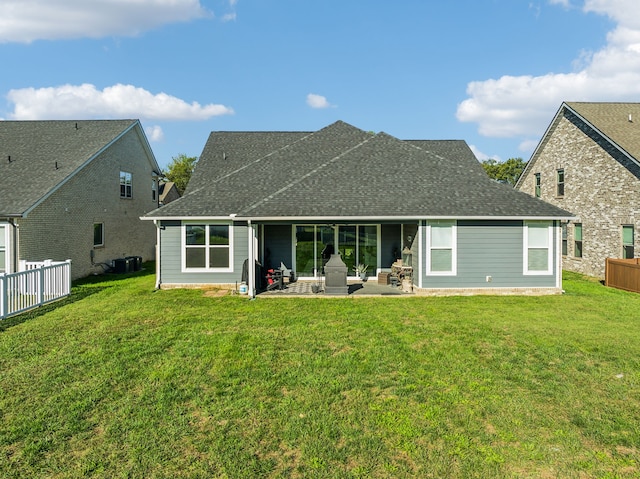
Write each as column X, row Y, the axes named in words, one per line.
column 490, row 72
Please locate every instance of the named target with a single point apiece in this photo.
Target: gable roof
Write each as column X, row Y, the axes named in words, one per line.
column 37, row 157
column 342, row 172
column 617, row 123
column 167, row 192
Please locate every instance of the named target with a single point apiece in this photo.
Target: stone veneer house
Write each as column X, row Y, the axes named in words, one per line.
column 283, row 197
column 75, row 190
column 588, row 162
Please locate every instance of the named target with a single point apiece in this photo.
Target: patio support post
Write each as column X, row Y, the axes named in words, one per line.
column 252, row 261
column 158, row 255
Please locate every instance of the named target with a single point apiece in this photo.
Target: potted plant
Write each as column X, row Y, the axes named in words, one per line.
column 361, row 270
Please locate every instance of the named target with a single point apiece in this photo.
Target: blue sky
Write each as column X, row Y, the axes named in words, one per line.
column 490, row 72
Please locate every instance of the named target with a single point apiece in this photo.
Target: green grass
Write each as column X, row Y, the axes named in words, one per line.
column 124, row 381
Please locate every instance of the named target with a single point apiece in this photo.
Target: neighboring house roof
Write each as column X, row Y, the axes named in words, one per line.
column 37, row 157
column 168, row 192
column 343, row 172
column 617, row 123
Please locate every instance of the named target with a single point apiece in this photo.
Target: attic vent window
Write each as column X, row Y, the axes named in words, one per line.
column 630, row 118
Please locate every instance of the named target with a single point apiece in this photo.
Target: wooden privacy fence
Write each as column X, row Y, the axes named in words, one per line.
column 623, row 274
column 39, row 284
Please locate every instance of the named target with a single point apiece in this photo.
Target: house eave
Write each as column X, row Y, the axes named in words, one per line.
column 358, row 218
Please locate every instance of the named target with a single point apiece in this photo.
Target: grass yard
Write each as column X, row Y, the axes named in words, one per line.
column 122, row 381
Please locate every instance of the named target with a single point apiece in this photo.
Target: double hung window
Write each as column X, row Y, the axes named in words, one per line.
column 537, row 185
column 207, row 247
column 577, row 240
column 538, row 241
column 441, row 240
column 3, row 247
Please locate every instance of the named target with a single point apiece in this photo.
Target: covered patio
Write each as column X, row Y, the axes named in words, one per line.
column 355, row 288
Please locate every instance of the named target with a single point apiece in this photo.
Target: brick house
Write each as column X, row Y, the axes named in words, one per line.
column 588, row 162
column 75, row 190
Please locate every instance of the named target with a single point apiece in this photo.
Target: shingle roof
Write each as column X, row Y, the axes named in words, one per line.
column 342, row 171
column 227, row 152
column 620, row 122
column 37, row 156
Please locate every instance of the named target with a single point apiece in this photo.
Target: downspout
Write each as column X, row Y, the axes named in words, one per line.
column 158, row 255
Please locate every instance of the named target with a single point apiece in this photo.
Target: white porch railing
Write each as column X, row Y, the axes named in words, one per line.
column 39, row 283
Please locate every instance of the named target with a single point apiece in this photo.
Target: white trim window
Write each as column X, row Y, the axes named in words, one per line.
column 4, row 242
column 207, row 247
column 442, row 248
column 538, row 241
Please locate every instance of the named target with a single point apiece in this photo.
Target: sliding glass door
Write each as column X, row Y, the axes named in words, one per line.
column 347, row 245
column 368, row 247
column 357, row 244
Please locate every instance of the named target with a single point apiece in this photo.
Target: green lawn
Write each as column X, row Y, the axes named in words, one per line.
column 124, row 381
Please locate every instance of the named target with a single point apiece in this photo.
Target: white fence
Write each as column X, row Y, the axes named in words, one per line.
column 38, row 284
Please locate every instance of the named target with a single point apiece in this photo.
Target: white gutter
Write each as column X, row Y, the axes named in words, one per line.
column 334, row 219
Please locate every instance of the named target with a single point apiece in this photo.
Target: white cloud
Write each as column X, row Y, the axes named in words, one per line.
column 522, row 106
column 24, row 21
column 564, row 3
column 118, row 101
column 317, row 101
column 154, row 133
column 483, row 156
column 527, row 146
column 231, row 16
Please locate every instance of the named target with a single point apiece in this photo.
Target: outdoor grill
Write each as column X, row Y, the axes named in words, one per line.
column 335, row 276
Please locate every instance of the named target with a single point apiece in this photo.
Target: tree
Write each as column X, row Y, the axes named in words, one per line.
column 180, row 169
column 505, row 172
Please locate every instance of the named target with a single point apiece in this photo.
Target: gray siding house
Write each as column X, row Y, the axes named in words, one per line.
column 75, row 190
column 283, row 197
column 588, row 162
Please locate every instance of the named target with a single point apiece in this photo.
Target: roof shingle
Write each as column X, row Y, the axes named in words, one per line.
column 36, row 156
column 342, row 171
